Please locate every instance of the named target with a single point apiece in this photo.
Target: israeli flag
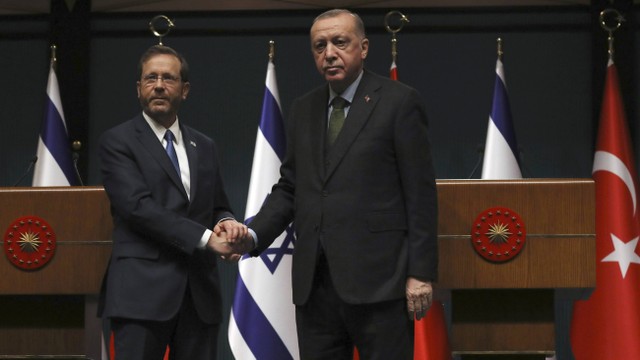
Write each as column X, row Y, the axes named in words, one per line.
column 501, row 160
column 54, row 166
column 262, row 322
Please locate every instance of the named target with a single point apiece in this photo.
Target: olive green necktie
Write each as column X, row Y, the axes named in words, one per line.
column 336, row 119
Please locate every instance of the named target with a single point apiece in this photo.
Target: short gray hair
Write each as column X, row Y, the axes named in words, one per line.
column 336, row 12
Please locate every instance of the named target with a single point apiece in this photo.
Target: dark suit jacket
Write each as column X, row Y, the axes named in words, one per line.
column 370, row 200
column 156, row 227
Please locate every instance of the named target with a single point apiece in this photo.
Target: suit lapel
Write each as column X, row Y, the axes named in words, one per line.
column 148, row 139
column 364, row 101
column 318, row 128
column 192, row 154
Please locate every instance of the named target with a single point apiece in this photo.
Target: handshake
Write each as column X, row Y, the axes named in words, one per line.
column 230, row 239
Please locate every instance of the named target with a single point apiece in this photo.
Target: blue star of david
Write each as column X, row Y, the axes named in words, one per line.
column 272, row 256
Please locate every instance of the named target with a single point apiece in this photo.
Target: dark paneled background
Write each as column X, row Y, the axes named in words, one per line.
column 555, row 59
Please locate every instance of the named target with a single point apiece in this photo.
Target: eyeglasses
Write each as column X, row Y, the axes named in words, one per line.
column 152, row 79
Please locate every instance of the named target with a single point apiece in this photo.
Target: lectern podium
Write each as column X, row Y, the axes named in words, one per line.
column 508, row 308
column 50, row 310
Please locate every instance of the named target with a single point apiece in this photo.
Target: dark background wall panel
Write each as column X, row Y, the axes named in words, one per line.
column 25, row 68
column 552, row 64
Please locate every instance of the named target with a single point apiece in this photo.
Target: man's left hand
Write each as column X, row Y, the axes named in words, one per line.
column 235, row 230
column 419, row 297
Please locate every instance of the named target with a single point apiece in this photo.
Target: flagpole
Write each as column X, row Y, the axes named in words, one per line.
column 53, row 60
column 272, row 50
column 394, row 47
column 500, row 52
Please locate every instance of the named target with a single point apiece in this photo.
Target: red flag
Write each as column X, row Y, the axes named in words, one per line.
column 607, row 325
column 431, row 336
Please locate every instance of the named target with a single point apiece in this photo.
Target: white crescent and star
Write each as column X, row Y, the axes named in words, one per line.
column 624, row 253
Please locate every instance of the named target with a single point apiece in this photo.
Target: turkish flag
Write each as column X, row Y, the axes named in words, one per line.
column 431, row 336
column 607, row 325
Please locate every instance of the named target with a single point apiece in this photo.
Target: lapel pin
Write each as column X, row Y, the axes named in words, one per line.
column 193, row 143
column 367, row 98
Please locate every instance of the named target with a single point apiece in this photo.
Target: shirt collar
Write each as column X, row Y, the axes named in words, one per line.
column 160, row 130
column 349, row 92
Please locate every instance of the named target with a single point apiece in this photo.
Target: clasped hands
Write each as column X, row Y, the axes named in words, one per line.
column 230, row 239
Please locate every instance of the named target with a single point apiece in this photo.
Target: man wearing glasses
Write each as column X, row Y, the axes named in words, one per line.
column 164, row 184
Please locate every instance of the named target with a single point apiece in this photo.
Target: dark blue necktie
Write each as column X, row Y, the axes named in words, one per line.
column 171, row 150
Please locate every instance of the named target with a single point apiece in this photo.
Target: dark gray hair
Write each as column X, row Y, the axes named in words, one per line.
column 159, row 50
column 336, row 12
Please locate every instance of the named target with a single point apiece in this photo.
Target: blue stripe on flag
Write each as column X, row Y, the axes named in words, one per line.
column 260, row 336
column 501, row 116
column 271, row 124
column 54, row 136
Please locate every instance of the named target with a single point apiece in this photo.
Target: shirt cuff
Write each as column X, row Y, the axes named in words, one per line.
column 205, row 239
column 254, row 237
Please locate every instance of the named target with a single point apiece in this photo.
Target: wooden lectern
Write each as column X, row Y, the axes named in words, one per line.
column 508, row 308
column 51, row 310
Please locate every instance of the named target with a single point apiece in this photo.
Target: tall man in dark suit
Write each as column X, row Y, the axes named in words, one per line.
column 163, row 180
column 364, row 204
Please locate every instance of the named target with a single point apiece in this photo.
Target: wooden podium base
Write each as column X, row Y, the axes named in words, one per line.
column 62, row 327
column 514, row 321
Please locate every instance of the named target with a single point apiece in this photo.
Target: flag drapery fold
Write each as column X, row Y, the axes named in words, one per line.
column 501, row 160
column 54, row 165
column 262, row 322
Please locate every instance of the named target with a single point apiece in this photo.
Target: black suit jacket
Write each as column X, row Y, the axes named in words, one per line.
column 156, row 227
column 370, row 201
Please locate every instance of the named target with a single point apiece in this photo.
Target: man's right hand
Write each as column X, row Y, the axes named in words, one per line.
column 227, row 250
column 219, row 243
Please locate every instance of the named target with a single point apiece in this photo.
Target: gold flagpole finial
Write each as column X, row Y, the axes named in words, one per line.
column 500, row 52
column 605, row 19
column 169, row 25
column 394, row 30
column 272, row 50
